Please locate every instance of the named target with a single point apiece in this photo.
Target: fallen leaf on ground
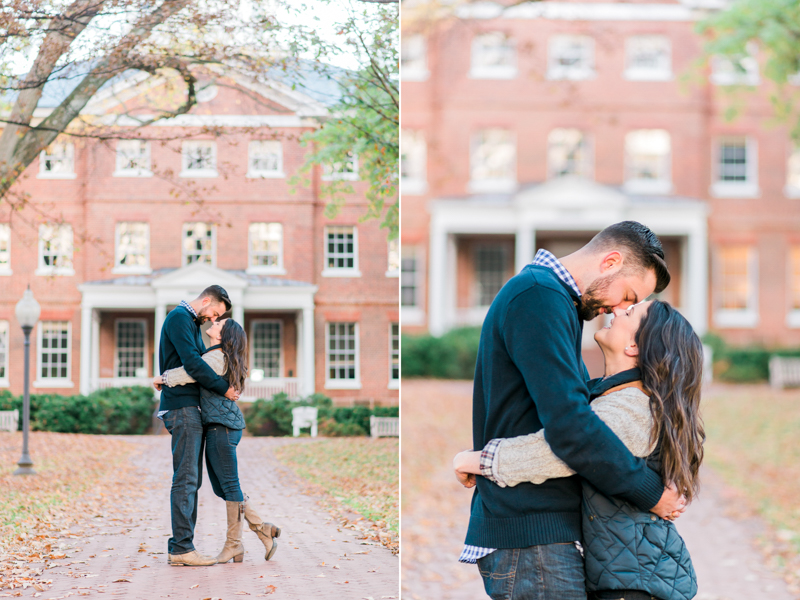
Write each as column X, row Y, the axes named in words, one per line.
column 270, row 589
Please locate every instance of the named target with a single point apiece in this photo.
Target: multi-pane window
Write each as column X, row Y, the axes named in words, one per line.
column 413, row 161
column 648, row 58
column 55, row 250
column 410, row 278
column 133, row 158
column 490, row 271
column 3, row 350
column 494, row 56
column 736, row 168
column 794, row 277
column 394, row 353
column 267, row 347
column 413, row 58
column 199, row 159
column 647, row 160
column 343, row 169
column 570, row 57
column 265, row 159
column 5, row 246
column 266, row 246
column 54, row 350
column 736, row 70
column 793, row 174
column 133, row 246
column 57, row 161
column 341, row 354
column 493, row 161
column 568, row 153
column 733, row 160
column 736, row 286
column 393, row 268
column 341, row 249
column 131, row 348
column 198, row 243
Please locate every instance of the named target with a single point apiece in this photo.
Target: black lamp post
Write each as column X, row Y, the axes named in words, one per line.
column 27, row 312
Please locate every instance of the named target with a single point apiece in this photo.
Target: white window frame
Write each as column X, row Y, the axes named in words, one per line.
column 69, row 155
column 393, row 247
column 556, row 71
column 394, row 384
column 281, row 365
column 125, row 269
column 746, row 318
column 184, row 255
column 5, row 237
column 186, row 147
column 4, row 331
column 265, row 269
column 122, row 171
column 44, row 269
column 343, row 384
column 252, row 172
column 792, row 314
column 586, row 170
column 723, row 68
column 53, row 382
column 491, row 184
column 505, row 71
column 736, row 189
column 413, row 315
column 637, row 73
column 145, row 348
column 341, row 271
column 790, row 190
column 332, row 172
column 417, row 68
column 417, row 184
column 648, row 186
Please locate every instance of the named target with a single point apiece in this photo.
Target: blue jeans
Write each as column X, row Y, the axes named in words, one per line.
column 223, row 470
column 186, row 429
column 546, row 572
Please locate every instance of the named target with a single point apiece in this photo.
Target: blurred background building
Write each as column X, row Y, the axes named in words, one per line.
column 535, row 125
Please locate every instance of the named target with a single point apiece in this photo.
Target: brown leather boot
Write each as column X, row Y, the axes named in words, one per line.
column 266, row 532
column 190, row 559
column 233, row 548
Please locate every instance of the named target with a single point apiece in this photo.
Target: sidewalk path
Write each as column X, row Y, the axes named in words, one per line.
column 123, row 552
column 434, row 523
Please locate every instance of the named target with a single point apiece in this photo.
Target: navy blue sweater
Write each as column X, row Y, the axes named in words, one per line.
column 530, row 375
column 182, row 346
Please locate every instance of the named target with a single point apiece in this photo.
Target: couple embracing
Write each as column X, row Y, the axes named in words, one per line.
column 199, row 388
column 578, row 481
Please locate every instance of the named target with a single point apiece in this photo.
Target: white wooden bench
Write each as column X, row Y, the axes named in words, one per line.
column 384, row 426
column 784, row 371
column 304, row 416
column 9, row 420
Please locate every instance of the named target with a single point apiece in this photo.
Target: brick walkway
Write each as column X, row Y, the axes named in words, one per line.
column 122, row 553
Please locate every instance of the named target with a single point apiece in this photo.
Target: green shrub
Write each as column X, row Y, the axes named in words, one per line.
column 742, row 364
column 333, row 428
column 451, row 356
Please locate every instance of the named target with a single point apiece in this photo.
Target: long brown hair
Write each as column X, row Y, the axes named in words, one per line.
column 671, row 361
column 234, row 347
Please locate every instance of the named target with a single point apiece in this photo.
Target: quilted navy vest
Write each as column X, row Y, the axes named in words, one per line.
column 627, row 549
column 218, row 409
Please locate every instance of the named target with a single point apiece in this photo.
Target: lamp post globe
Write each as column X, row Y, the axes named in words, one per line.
column 27, row 312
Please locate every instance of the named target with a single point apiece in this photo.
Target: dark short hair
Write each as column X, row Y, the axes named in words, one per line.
column 641, row 247
column 218, row 294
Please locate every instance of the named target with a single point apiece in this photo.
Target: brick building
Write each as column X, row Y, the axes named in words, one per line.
column 118, row 249
column 535, row 126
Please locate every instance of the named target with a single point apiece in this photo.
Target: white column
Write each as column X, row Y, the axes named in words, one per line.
column 695, row 283
column 161, row 314
column 237, row 314
column 437, row 270
column 95, row 354
column 86, row 349
column 524, row 245
column 298, row 360
column 308, row 383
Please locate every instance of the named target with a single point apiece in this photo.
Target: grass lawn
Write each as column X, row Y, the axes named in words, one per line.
column 362, row 472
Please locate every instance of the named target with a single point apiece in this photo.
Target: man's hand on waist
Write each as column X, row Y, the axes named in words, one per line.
column 671, row 505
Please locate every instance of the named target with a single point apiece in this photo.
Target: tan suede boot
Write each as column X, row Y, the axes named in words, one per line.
column 266, row 532
column 233, row 548
column 191, row 559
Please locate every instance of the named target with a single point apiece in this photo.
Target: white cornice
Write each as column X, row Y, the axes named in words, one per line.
column 585, row 11
column 215, row 121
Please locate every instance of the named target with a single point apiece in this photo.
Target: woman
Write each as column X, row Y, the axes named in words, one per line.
column 223, row 423
column 649, row 397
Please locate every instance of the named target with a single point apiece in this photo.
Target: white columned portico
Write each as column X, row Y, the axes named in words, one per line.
column 86, row 349
column 161, row 314
column 524, row 246
column 95, row 362
column 695, row 290
column 307, row 378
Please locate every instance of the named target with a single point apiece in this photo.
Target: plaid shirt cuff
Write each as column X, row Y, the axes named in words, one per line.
column 165, row 378
column 487, row 460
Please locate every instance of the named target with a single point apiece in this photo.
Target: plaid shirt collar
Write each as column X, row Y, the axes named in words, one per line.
column 544, row 258
column 188, row 307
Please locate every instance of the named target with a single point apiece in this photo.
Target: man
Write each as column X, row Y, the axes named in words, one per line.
column 182, row 345
column 530, row 375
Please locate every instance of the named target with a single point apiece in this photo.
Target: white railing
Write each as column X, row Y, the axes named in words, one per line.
column 267, row 388
column 9, row 420
column 117, row 382
column 384, row 426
